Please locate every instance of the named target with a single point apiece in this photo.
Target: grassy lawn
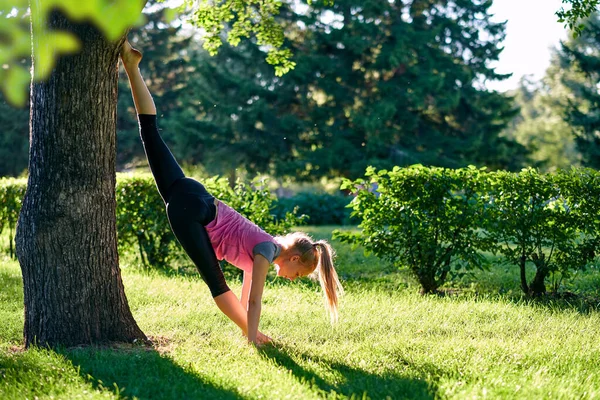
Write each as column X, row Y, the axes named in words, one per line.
column 482, row 341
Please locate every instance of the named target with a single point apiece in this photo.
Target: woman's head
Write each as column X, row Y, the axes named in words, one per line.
column 301, row 256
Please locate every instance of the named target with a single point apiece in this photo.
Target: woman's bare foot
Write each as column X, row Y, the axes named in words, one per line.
column 130, row 56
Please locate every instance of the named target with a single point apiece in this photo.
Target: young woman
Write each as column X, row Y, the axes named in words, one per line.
column 209, row 230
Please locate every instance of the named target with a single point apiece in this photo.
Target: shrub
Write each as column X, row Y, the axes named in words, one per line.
column 12, row 192
column 533, row 221
column 142, row 221
column 423, row 218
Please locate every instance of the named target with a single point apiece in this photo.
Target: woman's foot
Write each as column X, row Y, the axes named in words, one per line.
column 130, row 56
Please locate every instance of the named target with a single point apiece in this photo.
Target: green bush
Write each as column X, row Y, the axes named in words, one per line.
column 437, row 221
column 424, row 218
column 12, row 192
column 319, row 208
column 142, row 221
column 534, row 220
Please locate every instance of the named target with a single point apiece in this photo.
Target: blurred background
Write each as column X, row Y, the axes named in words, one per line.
column 500, row 84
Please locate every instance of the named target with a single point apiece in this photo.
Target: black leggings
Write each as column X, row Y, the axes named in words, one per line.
column 189, row 205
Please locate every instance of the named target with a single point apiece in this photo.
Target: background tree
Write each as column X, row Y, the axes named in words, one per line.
column 580, row 63
column 540, row 125
column 14, row 138
column 377, row 83
column 386, row 83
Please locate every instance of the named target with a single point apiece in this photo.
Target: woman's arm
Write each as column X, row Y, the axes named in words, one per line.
column 246, row 290
column 259, row 275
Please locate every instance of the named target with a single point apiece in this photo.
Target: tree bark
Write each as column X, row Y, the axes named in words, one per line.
column 66, row 234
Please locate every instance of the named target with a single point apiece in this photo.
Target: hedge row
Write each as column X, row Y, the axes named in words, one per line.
column 141, row 219
column 437, row 221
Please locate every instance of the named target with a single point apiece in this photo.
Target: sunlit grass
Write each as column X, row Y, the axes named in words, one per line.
column 390, row 342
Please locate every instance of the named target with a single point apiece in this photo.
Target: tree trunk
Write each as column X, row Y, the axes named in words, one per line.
column 66, row 234
column 523, row 274
column 538, row 283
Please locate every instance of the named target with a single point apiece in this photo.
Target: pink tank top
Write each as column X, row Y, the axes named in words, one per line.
column 233, row 237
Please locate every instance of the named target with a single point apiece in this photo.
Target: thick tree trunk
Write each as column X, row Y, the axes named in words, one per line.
column 66, row 234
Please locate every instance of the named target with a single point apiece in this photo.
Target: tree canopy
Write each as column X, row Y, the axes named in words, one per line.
column 244, row 19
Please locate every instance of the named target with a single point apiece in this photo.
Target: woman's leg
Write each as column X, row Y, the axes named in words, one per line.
column 144, row 104
column 191, row 234
column 163, row 165
column 194, row 239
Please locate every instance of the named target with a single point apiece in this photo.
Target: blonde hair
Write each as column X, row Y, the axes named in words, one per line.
column 318, row 257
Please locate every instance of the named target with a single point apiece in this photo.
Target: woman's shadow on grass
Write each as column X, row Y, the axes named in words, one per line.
column 143, row 373
column 356, row 383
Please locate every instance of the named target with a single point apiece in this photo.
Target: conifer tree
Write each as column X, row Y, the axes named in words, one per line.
column 393, row 83
column 580, row 61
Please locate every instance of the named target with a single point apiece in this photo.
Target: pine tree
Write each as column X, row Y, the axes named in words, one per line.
column 580, row 60
column 394, row 84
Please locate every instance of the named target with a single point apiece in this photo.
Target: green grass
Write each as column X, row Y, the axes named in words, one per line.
column 390, row 342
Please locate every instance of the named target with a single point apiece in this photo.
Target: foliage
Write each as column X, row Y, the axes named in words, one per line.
column 535, row 221
column 579, row 10
column 320, row 208
column 435, row 221
column 580, row 64
column 253, row 17
column 540, row 125
column 424, row 218
column 112, row 17
column 11, row 195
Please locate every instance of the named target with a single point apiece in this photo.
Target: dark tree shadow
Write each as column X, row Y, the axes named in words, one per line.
column 143, row 373
column 356, row 382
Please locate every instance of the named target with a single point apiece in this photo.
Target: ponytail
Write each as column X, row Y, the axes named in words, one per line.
column 328, row 277
column 318, row 258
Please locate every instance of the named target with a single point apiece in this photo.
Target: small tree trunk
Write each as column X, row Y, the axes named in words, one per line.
column 427, row 280
column 538, row 284
column 66, row 234
column 524, row 286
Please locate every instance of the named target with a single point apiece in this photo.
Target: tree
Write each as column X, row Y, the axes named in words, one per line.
column 540, row 125
column 579, row 60
column 66, row 234
column 387, row 83
column 13, row 138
